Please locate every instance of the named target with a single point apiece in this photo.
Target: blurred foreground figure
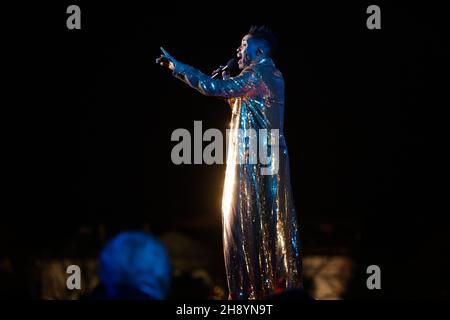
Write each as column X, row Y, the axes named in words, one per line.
column 134, row 265
column 260, row 232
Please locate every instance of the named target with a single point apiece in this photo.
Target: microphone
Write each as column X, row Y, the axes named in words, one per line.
column 231, row 64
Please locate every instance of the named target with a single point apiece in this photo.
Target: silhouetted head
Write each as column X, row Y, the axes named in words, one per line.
column 258, row 43
column 135, row 264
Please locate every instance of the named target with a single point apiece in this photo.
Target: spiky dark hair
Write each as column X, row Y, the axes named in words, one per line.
column 263, row 33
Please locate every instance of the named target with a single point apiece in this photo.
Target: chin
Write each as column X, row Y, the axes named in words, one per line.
column 242, row 64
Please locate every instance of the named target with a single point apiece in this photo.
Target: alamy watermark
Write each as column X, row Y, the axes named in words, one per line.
column 74, row 280
column 74, row 20
column 374, row 280
column 249, row 147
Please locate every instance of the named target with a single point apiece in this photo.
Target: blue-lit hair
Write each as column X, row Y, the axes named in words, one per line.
column 266, row 36
column 135, row 260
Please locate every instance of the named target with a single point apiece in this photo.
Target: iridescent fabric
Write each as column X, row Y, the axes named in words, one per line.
column 260, row 230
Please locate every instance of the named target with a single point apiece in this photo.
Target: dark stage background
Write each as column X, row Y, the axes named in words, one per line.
column 91, row 139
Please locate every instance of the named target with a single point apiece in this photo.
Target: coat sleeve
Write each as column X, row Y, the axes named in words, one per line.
column 239, row 86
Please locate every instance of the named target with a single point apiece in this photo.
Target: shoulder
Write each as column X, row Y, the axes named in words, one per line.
column 268, row 68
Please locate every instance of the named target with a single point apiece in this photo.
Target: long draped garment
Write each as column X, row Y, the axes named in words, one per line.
column 260, row 229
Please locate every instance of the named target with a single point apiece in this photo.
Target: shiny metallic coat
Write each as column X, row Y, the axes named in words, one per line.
column 260, row 230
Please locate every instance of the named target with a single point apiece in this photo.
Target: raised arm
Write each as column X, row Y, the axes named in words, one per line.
column 239, row 86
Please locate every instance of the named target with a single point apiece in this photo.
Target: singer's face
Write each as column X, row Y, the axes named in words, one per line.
column 246, row 53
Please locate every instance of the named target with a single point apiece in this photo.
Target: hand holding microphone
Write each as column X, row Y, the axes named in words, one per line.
column 170, row 62
column 225, row 70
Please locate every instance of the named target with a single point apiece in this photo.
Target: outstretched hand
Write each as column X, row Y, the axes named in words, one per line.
column 166, row 60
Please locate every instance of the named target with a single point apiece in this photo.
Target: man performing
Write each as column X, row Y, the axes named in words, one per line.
column 260, row 230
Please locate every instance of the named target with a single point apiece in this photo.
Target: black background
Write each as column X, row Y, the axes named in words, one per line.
column 364, row 123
